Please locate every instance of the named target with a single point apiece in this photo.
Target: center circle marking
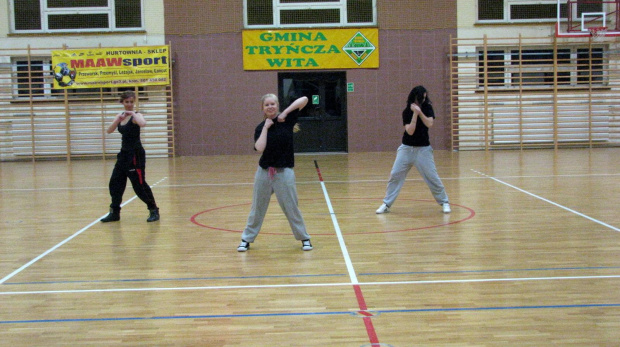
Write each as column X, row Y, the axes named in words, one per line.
column 471, row 215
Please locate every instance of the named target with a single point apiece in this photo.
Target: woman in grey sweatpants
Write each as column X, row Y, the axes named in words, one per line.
column 415, row 150
column 274, row 139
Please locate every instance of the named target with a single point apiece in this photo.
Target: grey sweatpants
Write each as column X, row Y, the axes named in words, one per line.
column 283, row 185
column 422, row 159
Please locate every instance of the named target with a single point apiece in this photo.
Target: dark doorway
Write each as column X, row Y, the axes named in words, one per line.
column 323, row 121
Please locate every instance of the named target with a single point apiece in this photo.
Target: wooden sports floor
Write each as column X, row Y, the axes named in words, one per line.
column 529, row 256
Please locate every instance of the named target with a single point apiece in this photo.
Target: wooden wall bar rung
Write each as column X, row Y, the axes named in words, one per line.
column 524, row 92
column 40, row 122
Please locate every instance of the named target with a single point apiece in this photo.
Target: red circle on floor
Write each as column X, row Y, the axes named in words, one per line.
column 471, row 215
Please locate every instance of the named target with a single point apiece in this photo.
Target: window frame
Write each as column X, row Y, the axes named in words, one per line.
column 278, row 7
column 507, row 14
column 45, row 12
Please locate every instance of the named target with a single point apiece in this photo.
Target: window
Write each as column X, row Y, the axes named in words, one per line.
column 34, row 79
column 309, row 13
column 495, row 67
column 535, row 67
column 530, row 10
column 490, row 9
column 75, row 15
column 531, row 68
column 534, row 11
column 30, row 77
column 590, row 66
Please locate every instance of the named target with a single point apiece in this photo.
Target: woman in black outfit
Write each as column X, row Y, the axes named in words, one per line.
column 275, row 175
column 130, row 161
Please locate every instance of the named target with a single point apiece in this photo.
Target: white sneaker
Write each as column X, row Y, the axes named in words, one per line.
column 306, row 245
column 383, row 209
column 446, row 208
column 243, row 246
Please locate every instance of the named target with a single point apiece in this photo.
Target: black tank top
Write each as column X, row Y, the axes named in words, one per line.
column 131, row 135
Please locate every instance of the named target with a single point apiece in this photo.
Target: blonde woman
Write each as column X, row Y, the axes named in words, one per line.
column 274, row 139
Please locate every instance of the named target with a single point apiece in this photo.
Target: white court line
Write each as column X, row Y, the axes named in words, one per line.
column 302, row 285
column 343, row 246
column 383, row 180
column 9, row 276
column 48, row 189
column 549, row 201
column 464, row 178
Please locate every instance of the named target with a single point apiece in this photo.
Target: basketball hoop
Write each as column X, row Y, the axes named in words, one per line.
column 597, row 33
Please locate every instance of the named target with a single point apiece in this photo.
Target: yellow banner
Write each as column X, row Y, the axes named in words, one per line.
column 310, row 49
column 111, row 67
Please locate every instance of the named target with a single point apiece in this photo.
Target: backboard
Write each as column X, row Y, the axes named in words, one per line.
column 582, row 18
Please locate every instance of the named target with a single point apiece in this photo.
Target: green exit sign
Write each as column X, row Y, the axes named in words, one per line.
column 315, row 99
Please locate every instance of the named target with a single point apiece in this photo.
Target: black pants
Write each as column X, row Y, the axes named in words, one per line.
column 130, row 164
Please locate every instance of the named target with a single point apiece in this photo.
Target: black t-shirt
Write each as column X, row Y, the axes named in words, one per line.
column 131, row 135
column 279, row 151
column 420, row 135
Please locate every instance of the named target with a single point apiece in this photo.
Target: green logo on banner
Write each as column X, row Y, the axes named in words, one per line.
column 358, row 48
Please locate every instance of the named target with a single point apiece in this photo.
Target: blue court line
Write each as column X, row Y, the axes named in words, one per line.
column 175, row 279
column 299, row 314
column 483, row 271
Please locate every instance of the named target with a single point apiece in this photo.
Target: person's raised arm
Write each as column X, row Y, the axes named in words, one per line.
column 428, row 121
column 298, row 104
column 410, row 128
column 117, row 120
column 261, row 142
column 138, row 118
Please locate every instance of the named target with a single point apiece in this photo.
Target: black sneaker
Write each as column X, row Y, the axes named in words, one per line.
column 243, row 246
column 111, row 217
column 306, row 245
column 153, row 215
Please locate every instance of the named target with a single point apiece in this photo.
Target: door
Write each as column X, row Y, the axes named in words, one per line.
column 323, row 122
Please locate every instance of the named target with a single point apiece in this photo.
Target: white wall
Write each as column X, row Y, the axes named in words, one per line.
column 467, row 13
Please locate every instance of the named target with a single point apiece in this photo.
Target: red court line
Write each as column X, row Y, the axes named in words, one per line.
column 370, row 328
column 318, row 171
